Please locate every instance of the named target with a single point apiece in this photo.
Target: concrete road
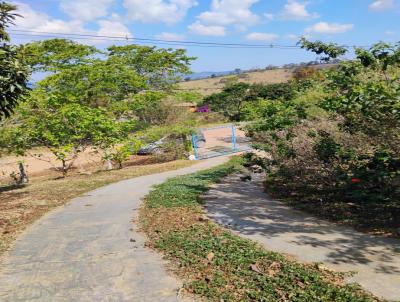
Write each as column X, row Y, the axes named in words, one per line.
column 90, row 250
column 247, row 210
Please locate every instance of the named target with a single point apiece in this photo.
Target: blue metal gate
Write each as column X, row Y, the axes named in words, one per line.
column 218, row 141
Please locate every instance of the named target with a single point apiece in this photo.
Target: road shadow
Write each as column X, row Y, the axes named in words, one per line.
column 245, row 208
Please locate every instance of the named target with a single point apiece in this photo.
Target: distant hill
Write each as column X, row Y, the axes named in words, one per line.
column 208, row 85
column 208, row 74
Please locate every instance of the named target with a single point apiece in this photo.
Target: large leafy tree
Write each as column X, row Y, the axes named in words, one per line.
column 159, row 67
column 66, row 129
column 13, row 72
column 97, row 83
column 236, row 98
column 56, row 55
column 231, row 101
column 84, row 74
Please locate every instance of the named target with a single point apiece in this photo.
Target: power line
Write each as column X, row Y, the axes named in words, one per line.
column 127, row 38
column 161, row 41
column 27, row 36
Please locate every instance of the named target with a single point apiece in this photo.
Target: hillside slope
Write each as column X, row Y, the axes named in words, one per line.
column 212, row 85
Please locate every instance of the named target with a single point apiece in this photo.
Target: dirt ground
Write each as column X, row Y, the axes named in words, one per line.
column 46, row 163
column 210, row 86
column 215, row 85
column 219, row 140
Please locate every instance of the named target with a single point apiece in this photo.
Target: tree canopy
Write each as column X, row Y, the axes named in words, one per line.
column 329, row 50
column 13, row 72
column 84, row 74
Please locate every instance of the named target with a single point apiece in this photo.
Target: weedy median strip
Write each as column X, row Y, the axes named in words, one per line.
column 221, row 266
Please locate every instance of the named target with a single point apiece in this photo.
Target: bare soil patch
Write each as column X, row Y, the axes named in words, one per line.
column 214, row 85
column 22, row 205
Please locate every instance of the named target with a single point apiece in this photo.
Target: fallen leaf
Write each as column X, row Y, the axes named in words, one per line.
column 274, row 268
column 281, row 294
column 301, row 284
column 255, row 268
column 210, row 256
column 322, row 267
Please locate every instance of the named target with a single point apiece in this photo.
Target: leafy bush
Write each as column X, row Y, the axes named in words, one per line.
column 337, row 142
column 237, row 99
column 13, row 71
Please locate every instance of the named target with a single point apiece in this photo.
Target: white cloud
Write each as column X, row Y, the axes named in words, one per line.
column 170, row 36
column 380, row 5
column 270, row 17
column 295, row 10
column 38, row 21
column 113, row 28
column 266, row 37
column 30, row 18
column 86, row 10
column 390, row 32
column 293, row 37
column 330, row 28
column 158, row 11
column 297, row 37
column 230, row 12
column 207, row 30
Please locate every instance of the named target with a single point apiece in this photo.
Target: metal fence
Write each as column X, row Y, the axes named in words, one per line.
column 220, row 140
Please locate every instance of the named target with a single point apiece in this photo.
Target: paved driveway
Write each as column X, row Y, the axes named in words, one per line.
column 89, row 250
column 247, row 210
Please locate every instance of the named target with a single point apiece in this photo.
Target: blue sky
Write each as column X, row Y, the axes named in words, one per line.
column 350, row 22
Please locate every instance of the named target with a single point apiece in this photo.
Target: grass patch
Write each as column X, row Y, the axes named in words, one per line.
column 221, row 266
column 186, row 190
column 371, row 216
column 22, row 205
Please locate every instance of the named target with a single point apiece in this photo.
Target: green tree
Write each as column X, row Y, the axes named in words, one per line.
column 365, row 92
column 147, row 107
column 81, row 73
column 97, row 83
column 238, row 98
column 278, row 91
column 330, row 50
column 55, row 55
column 13, row 72
column 66, row 129
column 160, row 68
column 230, row 101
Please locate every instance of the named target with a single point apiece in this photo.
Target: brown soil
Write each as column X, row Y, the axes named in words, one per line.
column 22, row 205
column 214, row 85
column 210, row 86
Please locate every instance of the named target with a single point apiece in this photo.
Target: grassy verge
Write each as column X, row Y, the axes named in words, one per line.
column 221, row 266
column 20, row 206
column 370, row 216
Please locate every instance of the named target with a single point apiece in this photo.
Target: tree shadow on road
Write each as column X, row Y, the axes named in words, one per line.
column 245, row 208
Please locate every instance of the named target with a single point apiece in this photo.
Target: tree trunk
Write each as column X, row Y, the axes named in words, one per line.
column 64, row 168
column 23, row 176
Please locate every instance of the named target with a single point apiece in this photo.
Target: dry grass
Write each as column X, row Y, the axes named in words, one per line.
column 215, row 85
column 20, row 206
column 210, row 86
